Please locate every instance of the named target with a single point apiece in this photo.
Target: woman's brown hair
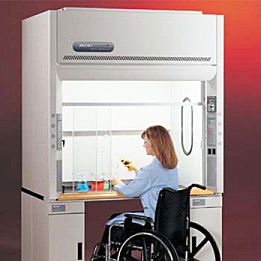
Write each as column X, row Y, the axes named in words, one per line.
column 162, row 145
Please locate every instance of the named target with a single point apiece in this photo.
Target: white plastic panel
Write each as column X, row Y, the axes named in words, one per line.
column 26, row 227
column 40, row 230
column 130, row 32
column 34, row 229
column 36, row 104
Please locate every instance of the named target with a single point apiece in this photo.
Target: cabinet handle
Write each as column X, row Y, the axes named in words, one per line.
column 79, row 251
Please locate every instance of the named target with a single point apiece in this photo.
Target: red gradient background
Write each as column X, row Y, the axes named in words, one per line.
column 241, row 230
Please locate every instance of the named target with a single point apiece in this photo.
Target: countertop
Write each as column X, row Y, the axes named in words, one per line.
column 92, row 195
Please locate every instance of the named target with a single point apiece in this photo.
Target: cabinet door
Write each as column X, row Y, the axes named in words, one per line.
column 211, row 219
column 66, row 234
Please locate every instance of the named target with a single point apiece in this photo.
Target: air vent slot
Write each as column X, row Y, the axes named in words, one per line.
column 135, row 58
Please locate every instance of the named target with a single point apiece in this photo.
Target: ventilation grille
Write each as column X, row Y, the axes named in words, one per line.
column 134, row 58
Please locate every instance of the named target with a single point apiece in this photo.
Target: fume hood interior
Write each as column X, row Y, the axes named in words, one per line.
column 103, row 122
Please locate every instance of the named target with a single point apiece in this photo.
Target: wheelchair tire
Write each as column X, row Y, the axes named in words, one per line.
column 207, row 242
column 146, row 246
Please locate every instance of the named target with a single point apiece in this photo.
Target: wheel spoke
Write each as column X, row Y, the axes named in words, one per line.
column 199, row 247
column 144, row 250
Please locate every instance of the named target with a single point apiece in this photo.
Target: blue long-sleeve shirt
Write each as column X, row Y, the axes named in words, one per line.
column 147, row 184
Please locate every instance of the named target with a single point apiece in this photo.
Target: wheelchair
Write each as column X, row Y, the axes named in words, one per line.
column 168, row 239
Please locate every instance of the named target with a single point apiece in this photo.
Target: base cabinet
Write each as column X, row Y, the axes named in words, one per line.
column 68, row 231
column 52, row 231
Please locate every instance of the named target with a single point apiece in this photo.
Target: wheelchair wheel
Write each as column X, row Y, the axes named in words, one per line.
column 147, row 246
column 203, row 245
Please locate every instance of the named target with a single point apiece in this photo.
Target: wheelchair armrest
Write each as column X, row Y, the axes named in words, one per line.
column 197, row 186
column 133, row 216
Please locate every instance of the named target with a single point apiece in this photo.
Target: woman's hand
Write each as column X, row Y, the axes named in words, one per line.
column 130, row 165
column 115, row 181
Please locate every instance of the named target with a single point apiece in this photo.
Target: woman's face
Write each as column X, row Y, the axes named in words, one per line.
column 147, row 146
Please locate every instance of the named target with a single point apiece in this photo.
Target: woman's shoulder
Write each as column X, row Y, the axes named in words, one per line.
column 155, row 167
column 154, row 163
column 148, row 168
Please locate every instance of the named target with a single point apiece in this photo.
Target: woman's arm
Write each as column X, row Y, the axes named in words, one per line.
column 136, row 187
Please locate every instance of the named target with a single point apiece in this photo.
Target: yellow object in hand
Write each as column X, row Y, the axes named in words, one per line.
column 130, row 165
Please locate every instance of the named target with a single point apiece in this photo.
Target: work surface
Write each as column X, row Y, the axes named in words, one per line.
column 92, row 195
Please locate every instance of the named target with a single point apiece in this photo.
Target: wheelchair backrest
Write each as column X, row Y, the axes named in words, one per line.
column 171, row 215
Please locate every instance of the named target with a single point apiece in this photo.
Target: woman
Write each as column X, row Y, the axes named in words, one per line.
column 160, row 173
column 149, row 180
